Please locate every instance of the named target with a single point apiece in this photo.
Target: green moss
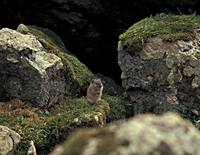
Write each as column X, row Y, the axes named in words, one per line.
column 47, row 37
column 48, row 130
column 27, row 122
column 168, row 27
column 79, row 141
column 77, row 74
column 117, row 108
column 78, row 108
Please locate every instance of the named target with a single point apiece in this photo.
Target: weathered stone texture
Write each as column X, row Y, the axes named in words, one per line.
column 162, row 76
column 8, row 140
column 28, row 71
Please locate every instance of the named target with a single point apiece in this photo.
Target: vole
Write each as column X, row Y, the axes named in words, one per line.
column 94, row 91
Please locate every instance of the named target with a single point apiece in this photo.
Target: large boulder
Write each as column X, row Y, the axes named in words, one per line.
column 8, row 141
column 145, row 134
column 77, row 75
column 28, row 71
column 159, row 59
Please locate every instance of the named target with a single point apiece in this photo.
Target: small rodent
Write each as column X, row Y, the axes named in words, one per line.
column 94, row 91
column 32, row 149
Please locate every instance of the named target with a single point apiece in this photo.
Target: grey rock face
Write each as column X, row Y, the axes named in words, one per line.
column 27, row 71
column 163, row 76
column 8, row 140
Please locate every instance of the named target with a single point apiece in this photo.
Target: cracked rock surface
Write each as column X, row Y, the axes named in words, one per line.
column 162, row 75
column 28, row 71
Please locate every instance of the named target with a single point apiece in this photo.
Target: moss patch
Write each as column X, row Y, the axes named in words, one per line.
column 117, row 108
column 168, row 27
column 81, row 139
column 47, row 130
column 25, row 120
column 77, row 74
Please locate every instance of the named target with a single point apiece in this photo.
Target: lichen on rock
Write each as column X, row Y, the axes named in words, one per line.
column 27, row 70
column 8, row 140
column 167, row 134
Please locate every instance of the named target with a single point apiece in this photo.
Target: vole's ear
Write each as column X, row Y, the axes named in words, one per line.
column 92, row 81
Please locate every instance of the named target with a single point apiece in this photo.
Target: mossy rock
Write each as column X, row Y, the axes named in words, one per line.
column 117, row 108
column 48, row 128
column 168, row 27
column 79, row 140
column 77, row 74
column 162, row 74
column 145, row 134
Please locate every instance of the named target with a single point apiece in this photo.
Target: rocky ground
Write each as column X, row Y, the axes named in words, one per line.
column 44, row 83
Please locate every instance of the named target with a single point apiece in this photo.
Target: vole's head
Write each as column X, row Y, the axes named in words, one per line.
column 31, row 142
column 97, row 83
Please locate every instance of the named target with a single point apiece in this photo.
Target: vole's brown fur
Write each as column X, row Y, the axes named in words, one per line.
column 94, row 91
